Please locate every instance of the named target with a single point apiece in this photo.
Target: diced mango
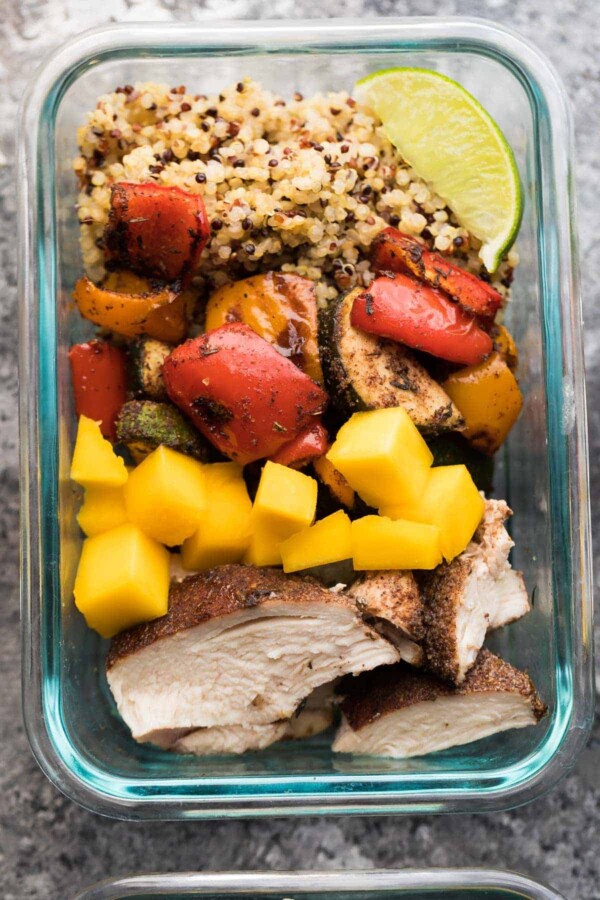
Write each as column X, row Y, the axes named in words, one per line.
column 122, row 580
column 94, row 461
column 452, row 502
column 380, row 543
column 285, row 497
column 327, row 541
column 224, row 533
column 263, row 548
column 382, row 456
column 489, row 399
column 103, row 508
column 166, row 496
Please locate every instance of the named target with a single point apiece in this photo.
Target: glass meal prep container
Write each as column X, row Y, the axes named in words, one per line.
column 75, row 732
column 408, row 884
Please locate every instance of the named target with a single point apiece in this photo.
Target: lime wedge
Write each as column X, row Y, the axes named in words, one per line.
column 453, row 143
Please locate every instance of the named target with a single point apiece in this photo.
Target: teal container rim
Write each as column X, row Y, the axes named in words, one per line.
column 297, row 883
column 565, row 388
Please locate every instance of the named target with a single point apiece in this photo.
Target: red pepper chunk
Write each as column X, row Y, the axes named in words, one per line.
column 99, row 374
column 245, row 397
column 155, row 230
column 310, row 444
column 393, row 251
column 414, row 314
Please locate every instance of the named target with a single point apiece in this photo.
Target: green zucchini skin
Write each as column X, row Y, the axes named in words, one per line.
column 143, row 425
column 363, row 372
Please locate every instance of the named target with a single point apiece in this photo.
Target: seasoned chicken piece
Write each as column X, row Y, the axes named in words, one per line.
column 239, row 646
column 477, row 592
column 390, row 601
column 230, row 739
column 398, row 711
column 314, row 715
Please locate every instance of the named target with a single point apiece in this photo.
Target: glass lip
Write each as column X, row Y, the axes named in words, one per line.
column 293, row 883
column 259, row 795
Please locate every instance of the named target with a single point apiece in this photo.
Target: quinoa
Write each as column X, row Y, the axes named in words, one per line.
column 301, row 185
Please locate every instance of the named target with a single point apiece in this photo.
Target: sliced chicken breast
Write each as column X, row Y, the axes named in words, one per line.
column 239, row 646
column 391, row 602
column 399, row 712
column 314, row 715
column 230, row 739
column 477, row 592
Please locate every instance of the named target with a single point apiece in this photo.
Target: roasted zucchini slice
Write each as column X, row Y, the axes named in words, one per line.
column 143, row 425
column 363, row 371
column 148, row 356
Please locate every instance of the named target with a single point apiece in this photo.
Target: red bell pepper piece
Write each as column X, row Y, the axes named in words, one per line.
column 99, row 374
column 245, row 397
column 393, row 251
column 421, row 317
column 156, row 230
column 310, row 443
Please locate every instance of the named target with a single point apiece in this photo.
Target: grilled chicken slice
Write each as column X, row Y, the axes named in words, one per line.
column 230, row 739
column 314, row 715
column 477, row 592
column 239, row 646
column 391, row 602
column 398, row 711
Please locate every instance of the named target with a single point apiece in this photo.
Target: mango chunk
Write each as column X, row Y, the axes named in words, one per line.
column 224, row 533
column 452, row 502
column 122, row 580
column 166, row 496
column 490, row 400
column 103, row 508
column 285, row 498
column 382, row 456
column 94, row 461
column 380, row 543
column 327, row 541
column 263, row 547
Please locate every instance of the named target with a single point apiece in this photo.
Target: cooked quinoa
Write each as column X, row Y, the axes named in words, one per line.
column 302, row 185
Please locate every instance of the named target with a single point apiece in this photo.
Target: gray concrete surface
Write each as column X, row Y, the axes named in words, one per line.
column 48, row 847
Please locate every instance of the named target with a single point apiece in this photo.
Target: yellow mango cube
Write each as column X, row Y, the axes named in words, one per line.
column 166, row 496
column 327, row 541
column 94, row 461
column 452, row 502
column 224, row 533
column 380, row 543
column 122, row 580
column 382, row 455
column 263, row 547
column 103, row 508
column 285, row 498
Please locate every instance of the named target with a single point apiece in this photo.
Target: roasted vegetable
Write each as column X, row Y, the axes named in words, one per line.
column 454, row 450
column 489, row 398
column 143, row 425
column 157, row 231
column 367, row 372
column 335, row 483
column 122, row 579
column 159, row 313
column 280, row 307
column 148, row 355
column 393, row 251
column 99, row 375
column 506, row 346
column 241, row 393
column 310, row 444
column 421, row 317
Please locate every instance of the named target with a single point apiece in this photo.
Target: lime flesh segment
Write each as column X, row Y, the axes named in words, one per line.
column 453, row 143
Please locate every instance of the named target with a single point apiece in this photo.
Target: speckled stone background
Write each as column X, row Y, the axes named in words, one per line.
column 50, row 848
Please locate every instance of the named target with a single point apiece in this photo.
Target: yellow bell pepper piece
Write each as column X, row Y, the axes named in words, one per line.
column 506, row 346
column 122, row 580
column 489, row 399
column 450, row 501
column 103, row 508
column 382, row 456
column 335, row 482
column 380, row 543
column 327, row 541
column 166, row 496
column 224, row 533
column 95, row 463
